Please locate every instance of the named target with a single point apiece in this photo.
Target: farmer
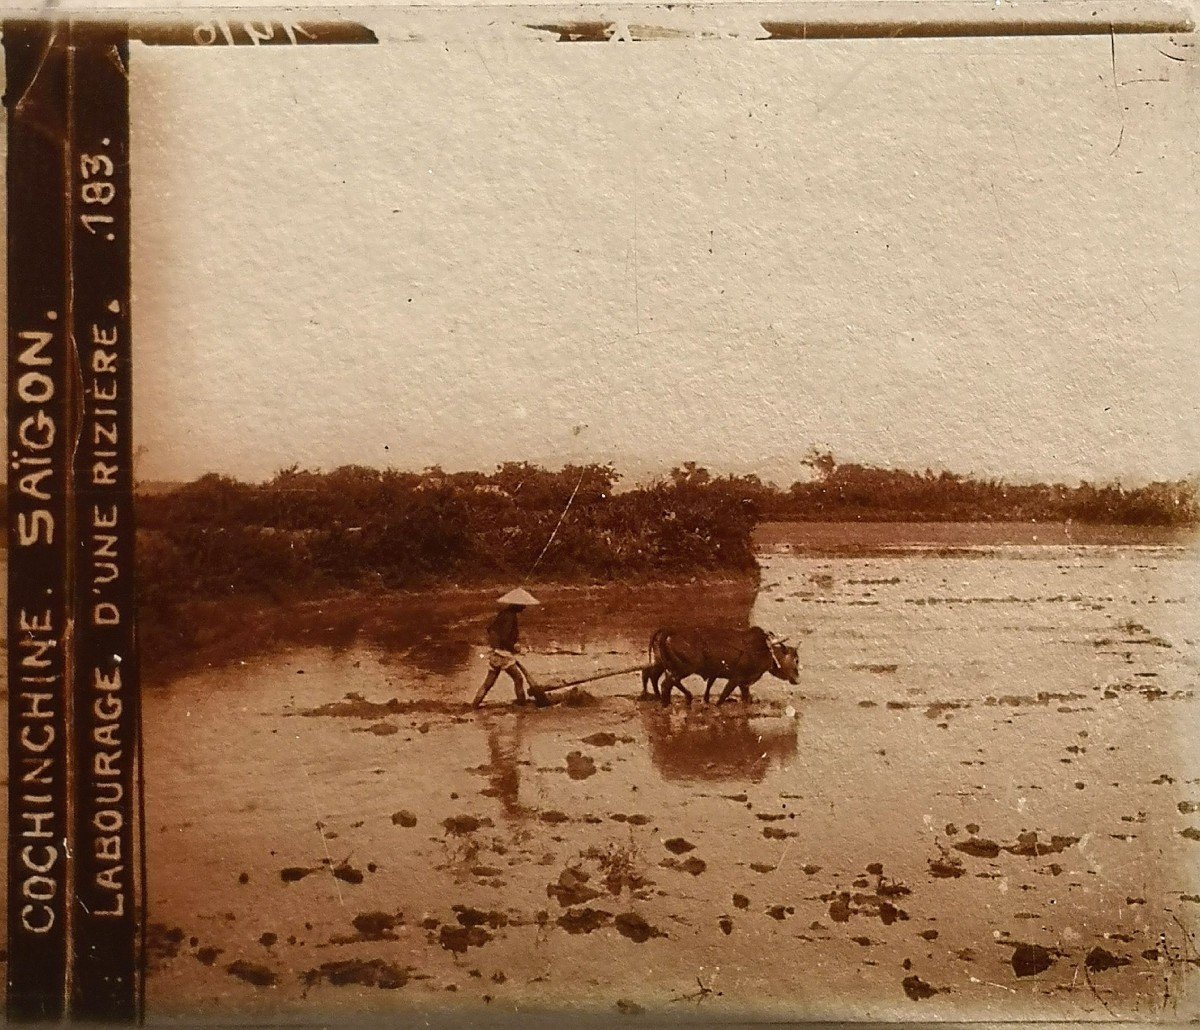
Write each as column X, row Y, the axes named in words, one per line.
column 504, row 644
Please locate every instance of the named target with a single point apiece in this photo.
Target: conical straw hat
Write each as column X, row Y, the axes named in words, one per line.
column 519, row 596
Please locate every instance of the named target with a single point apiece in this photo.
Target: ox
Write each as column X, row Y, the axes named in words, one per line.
column 739, row 656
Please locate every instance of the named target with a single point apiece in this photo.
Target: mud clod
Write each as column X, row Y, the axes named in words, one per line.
column 379, row 729
column 461, row 825
column 678, row 846
column 1030, row 846
column 571, row 888
column 1100, row 960
column 583, row 920
column 252, row 973
column 946, row 868
column 348, row 874
column 978, row 847
column 580, row 766
column 361, row 972
column 458, row 939
column 377, row 926
column 404, row 818
column 633, row 926
column 917, row 989
column 775, row 833
column 468, row 916
column 1031, row 959
column 843, row 904
column 695, row 866
column 162, row 943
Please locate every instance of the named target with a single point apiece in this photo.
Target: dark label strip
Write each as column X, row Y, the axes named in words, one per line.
column 261, row 32
column 39, row 437
column 105, row 918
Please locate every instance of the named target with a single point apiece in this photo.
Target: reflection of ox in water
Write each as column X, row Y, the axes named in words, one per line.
column 702, row 745
column 740, row 656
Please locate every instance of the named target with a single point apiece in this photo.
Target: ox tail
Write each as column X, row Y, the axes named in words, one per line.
column 654, row 661
column 654, row 651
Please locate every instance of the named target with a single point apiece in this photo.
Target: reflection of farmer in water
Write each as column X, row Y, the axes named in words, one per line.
column 504, row 644
column 504, row 766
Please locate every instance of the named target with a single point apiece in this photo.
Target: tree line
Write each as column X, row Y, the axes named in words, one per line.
column 850, row 491
column 357, row 526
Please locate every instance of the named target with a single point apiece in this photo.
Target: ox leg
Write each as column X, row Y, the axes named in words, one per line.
column 651, row 675
column 708, row 687
column 687, row 694
column 727, row 691
column 664, row 694
column 745, row 689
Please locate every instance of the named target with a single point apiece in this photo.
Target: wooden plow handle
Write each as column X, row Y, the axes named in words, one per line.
column 584, row 679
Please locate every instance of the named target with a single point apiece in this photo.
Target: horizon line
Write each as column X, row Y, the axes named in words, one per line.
column 662, row 470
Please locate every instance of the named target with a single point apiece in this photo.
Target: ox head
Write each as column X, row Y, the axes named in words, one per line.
column 785, row 662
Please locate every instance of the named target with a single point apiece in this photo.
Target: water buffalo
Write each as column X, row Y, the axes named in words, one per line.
column 653, row 672
column 740, row 656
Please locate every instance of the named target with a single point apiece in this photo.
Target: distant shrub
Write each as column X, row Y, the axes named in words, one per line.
column 841, row 492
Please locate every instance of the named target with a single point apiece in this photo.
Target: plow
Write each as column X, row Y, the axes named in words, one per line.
column 539, row 690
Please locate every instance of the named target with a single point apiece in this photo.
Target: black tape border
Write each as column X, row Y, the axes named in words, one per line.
column 105, row 806
column 39, row 551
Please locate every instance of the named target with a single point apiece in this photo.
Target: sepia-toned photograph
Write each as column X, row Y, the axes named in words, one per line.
column 662, row 518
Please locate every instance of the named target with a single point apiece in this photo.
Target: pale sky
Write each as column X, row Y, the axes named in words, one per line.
column 479, row 249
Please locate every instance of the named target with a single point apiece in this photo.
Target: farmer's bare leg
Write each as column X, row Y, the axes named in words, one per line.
column 518, row 683
column 488, row 682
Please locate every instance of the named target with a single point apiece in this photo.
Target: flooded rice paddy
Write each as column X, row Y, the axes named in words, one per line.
column 981, row 801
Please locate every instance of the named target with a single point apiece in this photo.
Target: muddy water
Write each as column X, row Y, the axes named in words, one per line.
column 981, row 800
